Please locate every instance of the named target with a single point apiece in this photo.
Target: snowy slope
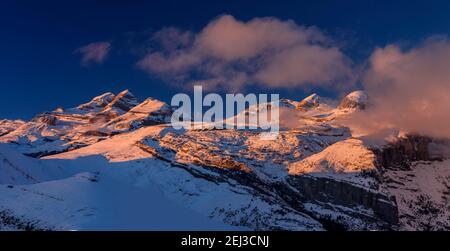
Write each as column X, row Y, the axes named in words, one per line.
column 347, row 160
column 423, row 195
column 220, row 173
column 88, row 201
column 15, row 168
column 210, row 198
column 213, row 196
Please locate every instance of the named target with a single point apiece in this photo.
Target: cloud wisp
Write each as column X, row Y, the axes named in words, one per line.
column 96, row 52
column 231, row 54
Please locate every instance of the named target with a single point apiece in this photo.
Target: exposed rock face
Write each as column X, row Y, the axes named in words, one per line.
column 219, row 151
column 103, row 117
column 46, row 118
column 343, row 174
column 354, row 100
column 296, row 191
column 419, row 179
column 399, row 174
column 123, row 101
column 342, row 193
column 402, row 152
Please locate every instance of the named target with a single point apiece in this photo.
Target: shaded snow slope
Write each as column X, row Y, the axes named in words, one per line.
column 89, row 201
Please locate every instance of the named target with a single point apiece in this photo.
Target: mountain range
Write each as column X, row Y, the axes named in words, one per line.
column 115, row 163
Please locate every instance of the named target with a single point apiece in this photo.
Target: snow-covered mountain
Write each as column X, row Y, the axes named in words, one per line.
column 310, row 102
column 115, row 163
column 7, row 126
column 105, row 115
column 356, row 99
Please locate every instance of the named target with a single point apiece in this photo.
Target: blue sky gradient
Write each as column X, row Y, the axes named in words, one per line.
column 40, row 69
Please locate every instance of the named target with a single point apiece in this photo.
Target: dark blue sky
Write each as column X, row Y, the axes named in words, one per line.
column 39, row 70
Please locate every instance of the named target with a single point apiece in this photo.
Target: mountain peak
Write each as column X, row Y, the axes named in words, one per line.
column 309, row 102
column 356, row 99
column 150, row 105
column 125, row 92
column 149, row 112
column 124, row 101
column 98, row 102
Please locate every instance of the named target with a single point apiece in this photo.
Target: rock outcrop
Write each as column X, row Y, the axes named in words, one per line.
column 327, row 190
column 402, row 152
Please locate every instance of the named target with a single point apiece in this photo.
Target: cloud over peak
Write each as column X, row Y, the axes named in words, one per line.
column 94, row 52
column 229, row 53
column 409, row 89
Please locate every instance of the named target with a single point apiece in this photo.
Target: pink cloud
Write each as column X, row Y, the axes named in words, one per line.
column 409, row 89
column 229, row 53
column 94, row 52
column 302, row 65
